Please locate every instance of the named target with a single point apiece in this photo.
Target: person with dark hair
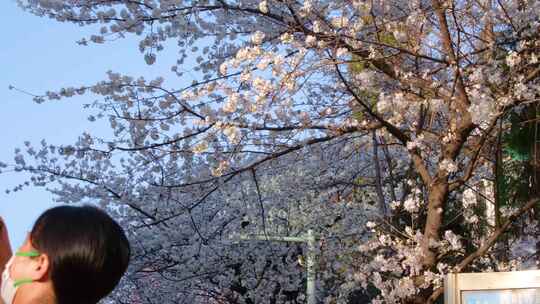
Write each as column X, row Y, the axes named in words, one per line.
column 73, row 255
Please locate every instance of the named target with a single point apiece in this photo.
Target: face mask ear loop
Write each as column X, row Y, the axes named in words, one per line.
column 21, row 282
column 30, row 254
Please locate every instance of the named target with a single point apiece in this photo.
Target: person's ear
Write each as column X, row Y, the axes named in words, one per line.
column 40, row 268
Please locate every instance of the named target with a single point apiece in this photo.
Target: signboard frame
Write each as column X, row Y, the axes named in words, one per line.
column 456, row 283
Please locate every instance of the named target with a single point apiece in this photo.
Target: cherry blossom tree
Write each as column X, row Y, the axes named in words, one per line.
column 311, row 114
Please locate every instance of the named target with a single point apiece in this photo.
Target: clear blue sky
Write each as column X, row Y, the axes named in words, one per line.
column 39, row 54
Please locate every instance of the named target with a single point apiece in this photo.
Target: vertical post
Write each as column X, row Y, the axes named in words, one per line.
column 310, row 259
column 451, row 293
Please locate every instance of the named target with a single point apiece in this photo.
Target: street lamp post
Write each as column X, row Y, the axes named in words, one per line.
column 309, row 239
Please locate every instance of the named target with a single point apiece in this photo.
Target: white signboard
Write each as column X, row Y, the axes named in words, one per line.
column 511, row 296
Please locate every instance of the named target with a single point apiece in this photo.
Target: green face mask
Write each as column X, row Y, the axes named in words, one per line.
column 29, row 254
column 9, row 286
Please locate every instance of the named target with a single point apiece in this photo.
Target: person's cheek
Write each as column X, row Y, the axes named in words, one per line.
column 15, row 269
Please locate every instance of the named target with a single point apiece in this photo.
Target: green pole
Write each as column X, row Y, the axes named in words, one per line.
column 310, row 240
column 310, row 269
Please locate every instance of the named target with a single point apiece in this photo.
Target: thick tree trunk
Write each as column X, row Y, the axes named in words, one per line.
column 438, row 193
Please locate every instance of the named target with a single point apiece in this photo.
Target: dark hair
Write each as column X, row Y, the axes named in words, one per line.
column 88, row 252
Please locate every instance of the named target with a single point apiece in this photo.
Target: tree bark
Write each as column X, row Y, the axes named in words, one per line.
column 438, row 194
column 378, row 185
